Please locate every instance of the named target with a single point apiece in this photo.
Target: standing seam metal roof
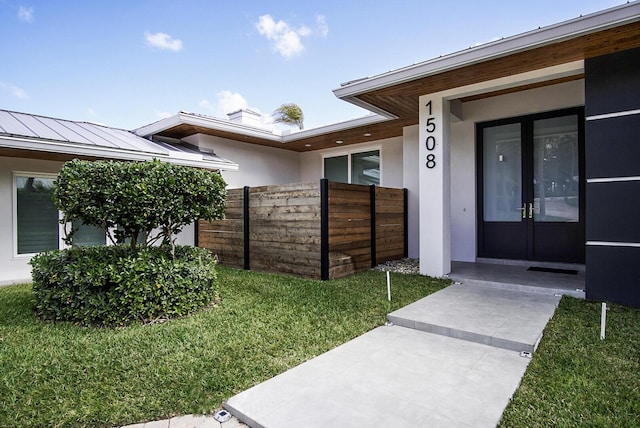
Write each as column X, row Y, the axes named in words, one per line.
column 90, row 136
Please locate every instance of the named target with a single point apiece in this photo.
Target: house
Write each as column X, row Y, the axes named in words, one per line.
column 32, row 151
column 522, row 150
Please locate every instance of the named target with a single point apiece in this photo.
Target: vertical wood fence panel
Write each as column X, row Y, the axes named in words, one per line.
column 349, row 228
column 390, row 224
column 285, row 228
column 225, row 238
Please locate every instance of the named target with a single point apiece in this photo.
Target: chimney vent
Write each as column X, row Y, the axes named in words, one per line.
column 245, row 117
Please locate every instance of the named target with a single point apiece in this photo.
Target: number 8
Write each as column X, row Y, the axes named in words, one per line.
column 431, row 161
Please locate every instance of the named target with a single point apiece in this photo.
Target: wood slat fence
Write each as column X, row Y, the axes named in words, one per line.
column 319, row 230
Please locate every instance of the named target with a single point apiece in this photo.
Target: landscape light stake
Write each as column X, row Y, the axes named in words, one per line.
column 603, row 321
column 388, row 287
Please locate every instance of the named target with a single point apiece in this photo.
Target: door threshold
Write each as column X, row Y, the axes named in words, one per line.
column 533, row 263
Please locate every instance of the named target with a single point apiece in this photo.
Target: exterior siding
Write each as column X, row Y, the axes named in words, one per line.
column 613, row 177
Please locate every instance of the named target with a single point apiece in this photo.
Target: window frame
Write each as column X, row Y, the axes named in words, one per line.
column 62, row 228
column 349, row 154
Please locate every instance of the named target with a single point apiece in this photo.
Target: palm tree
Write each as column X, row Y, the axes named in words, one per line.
column 290, row 114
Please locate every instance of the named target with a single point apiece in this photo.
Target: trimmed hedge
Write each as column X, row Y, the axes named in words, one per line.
column 115, row 285
column 141, row 203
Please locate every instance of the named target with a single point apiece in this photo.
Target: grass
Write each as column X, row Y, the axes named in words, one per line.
column 575, row 379
column 63, row 375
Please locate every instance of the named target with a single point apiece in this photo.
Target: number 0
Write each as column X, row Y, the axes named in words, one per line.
column 430, row 143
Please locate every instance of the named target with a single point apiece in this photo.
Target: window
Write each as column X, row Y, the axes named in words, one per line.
column 36, row 216
column 37, row 227
column 87, row 236
column 337, row 168
column 354, row 168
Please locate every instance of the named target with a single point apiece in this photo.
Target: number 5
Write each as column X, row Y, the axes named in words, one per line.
column 431, row 126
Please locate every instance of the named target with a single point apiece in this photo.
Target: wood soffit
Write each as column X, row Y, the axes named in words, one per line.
column 402, row 100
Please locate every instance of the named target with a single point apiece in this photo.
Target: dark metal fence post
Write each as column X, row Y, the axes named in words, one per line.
column 324, row 229
column 247, row 264
column 372, row 201
column 406, row 222
column 196, row 233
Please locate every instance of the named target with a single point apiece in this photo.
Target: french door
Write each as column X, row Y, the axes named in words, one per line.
column 531, row 187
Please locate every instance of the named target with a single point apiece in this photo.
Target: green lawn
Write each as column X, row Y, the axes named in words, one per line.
column 64, row 375
column 575, row 379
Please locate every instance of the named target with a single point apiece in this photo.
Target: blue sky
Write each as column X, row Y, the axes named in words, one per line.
column 130, row 63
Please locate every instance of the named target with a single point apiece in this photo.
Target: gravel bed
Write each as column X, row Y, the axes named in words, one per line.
column 400, row 266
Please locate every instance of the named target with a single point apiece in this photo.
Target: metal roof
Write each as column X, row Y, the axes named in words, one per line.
column 24, row 131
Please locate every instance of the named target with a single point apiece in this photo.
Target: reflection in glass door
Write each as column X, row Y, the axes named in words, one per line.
column 556, row 175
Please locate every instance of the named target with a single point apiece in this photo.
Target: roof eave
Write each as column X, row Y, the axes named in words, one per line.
column 337, row 127
column 184, row 118
column 59, row 147
column 591, row 23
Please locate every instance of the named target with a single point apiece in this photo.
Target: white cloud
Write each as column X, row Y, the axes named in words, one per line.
column 163, row 41
column 226, row 102
column 286, row 39
column 92, row 112
column 303, row 31
column 323, row 28
column 25, row 14
column 14, row 90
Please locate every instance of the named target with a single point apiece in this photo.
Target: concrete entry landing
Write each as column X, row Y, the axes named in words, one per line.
column 513, row 275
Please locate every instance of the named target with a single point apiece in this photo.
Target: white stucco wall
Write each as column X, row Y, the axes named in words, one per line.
column 390, row 160
column 463, row 156
column 15, row 267
column 259, row 165
column 410, row 180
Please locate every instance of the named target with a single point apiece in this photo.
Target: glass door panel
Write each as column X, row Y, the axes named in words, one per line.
column 556, row 170
column 502, row 173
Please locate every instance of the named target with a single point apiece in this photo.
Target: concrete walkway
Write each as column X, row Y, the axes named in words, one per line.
column 190, row 421
column 452, row 360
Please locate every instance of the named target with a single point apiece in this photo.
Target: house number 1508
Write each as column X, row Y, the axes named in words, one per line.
column 430, row 142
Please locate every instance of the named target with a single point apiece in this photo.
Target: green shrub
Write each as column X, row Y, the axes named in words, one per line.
column 118, row 285
column 140, row 203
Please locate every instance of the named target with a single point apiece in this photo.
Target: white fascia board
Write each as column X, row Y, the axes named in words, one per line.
column 236, row 128
column 598, row 21
column 158, row 126
column 206, row 122
column 109, row 153
column 228, row 126
column 335, row 127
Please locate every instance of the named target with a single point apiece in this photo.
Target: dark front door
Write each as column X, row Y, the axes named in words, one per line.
column 531, row 187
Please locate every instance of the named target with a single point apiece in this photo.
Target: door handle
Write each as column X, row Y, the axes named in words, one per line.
column 530, row 209
column 524, row 210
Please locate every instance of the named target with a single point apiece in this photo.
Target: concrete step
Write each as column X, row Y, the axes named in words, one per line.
column 548, row 290
column 503, row 318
